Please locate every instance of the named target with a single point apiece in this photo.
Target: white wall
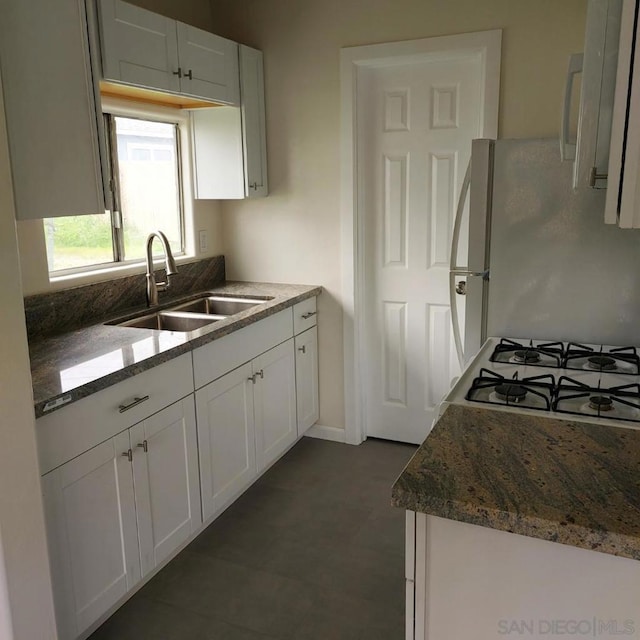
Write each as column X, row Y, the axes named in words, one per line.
column 293, row 235
column 27, row 589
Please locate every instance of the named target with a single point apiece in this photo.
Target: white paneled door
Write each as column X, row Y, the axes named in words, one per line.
column 416, row 122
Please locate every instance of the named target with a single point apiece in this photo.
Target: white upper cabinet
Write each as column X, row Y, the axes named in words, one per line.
column 599, row 65
column 229, row 145
column 208, row 65
column 138, row 47
column 254, row 139
column 144, row 49
column 53, row 119
column 623, row 194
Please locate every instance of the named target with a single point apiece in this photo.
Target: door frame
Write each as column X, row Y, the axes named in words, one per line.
column 354, row 60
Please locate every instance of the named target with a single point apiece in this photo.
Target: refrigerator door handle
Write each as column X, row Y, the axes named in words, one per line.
column 455, row 322
column 457, row 338
column 454, row 269
column 457, row 224
column 567, row 148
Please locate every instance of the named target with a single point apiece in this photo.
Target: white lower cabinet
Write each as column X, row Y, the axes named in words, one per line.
column 128, row 480
column 476, row 582
column 167, row 487
column 116, row 511
column 226, row 435
column 246, row 420
column 91, row 527
column 307, row 379
column 274, row 403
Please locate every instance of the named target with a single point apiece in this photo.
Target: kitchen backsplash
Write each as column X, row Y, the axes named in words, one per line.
column 50, row 314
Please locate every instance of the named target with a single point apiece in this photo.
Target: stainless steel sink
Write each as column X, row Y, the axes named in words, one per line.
column 170, row 321
column 218, row 305
column 194, row 314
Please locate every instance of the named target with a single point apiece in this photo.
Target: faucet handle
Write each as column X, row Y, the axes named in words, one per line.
column 170, row 263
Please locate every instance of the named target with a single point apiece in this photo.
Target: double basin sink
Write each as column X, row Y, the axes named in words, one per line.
column 195, row 314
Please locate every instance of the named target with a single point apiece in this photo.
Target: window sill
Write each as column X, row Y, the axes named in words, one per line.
column 110, row 272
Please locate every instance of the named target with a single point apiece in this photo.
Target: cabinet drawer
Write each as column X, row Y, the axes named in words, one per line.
column 70, row 431
column 221, row 356
column 305, row 315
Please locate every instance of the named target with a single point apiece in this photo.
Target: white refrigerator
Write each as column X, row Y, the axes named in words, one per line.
column 542, row 264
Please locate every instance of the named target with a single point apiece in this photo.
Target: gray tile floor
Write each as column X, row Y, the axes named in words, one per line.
column 312, row 551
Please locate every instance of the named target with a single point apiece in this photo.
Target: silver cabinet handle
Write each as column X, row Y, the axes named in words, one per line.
column 189, row 75
column 128, row 454
column 178, row 72
column 303, row 348
column 253, row 185
column 594, row 176
column 136, row 401
column 252, row 378
column 261, row 374
column 309, row 314
column 143, row 445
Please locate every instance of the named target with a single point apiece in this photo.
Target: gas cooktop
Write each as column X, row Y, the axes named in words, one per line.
column 589, row 382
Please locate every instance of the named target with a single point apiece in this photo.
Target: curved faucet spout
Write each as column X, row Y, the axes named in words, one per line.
column 170, row 266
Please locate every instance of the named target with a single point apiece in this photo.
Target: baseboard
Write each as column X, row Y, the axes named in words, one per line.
column 321, row 432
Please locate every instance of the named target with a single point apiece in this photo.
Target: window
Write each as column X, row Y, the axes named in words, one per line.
column 147, row 193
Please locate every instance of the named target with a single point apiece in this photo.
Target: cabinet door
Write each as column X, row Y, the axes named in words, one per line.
column 307, row 379
column 51, row 112
column 275, row 403
column 253, row 122
column 597, row 93
column 226, row 437
column 167, row 486
column 229, row 144
column 218, row 165
column 139, row 47
column 623, row 189
column 91, row 526
column 209, row 65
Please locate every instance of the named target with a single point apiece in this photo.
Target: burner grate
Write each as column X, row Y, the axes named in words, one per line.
column 548, row 354
column 535, row 392
column 576, row 398
column 623, row 360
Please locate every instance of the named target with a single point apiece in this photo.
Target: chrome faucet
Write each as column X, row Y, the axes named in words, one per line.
column 170, row 266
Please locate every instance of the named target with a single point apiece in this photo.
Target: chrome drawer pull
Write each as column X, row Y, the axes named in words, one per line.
column 144, row 446
column 128, row 454
column 303, row 348
column 136, row 401
column 310, row 314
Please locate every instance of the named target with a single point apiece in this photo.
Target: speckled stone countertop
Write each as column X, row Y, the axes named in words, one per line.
column 574, row 483
column 81, row 362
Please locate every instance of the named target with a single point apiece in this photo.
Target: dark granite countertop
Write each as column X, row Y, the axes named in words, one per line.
column 81, row 362
column 575, row 483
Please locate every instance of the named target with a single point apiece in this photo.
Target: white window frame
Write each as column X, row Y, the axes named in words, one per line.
column 130, row 109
